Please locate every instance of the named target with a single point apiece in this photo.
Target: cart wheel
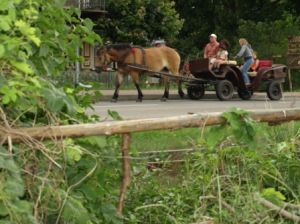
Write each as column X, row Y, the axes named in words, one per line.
column 224, row 90
column 274, row 90
column 245, row 94
column 195, row 92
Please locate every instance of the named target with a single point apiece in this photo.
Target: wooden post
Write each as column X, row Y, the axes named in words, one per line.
column 126, row 172
column 290, row 80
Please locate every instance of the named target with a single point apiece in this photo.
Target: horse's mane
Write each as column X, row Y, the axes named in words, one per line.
column 120, row 46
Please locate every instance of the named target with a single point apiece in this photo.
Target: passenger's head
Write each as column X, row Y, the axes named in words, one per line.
column 243, row 41
column 254, row 54
column 213, row 38
column 224, row 44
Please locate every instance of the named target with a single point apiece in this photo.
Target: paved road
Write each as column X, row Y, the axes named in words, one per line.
column 155, row 108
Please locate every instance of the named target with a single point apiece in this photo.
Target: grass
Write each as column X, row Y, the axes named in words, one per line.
column 190, row 137
column 161, row 140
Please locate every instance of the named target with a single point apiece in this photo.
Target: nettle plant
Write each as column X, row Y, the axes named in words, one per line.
column 38, row 41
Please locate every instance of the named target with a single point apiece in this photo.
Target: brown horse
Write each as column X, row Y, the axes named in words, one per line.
column 156, row 59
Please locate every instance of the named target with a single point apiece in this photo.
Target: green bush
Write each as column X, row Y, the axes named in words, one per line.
column 218, row 181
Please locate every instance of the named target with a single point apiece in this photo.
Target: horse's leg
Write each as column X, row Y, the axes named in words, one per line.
column 136, row 80
column 180, row 91
column 173, row 68
column 119, row 81
column 167, row 87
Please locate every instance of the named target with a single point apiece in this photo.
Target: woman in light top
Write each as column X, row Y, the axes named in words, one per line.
column 247, row 53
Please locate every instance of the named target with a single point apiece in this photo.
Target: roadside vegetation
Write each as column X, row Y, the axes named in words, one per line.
column 218, row 181
column 77, row 180
column 222, row 180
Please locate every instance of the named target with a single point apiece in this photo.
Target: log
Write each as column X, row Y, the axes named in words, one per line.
column 140, row 125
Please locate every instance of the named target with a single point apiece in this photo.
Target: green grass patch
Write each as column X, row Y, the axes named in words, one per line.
column 160, row 140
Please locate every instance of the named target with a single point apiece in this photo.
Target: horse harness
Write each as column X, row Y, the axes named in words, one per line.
column 122, row 65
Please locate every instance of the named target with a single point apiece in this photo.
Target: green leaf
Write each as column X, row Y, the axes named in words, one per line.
column 114, row 115
column 10, row 94
column 12, row 14
column 273, row 195
column 109, row 212
column 3, row 209
column 23, row 206
column 4, row 5
column 14, row 187
column 44, row 50
column 74, row 153
column 35, row 81
column 216, row 135
column 75, row 212
column 89, row 24
column 8, row 164
column 94, row 141
column 2, row 50
column 34, row 39
column 22, row 66
column 4, row 23
column 54, row 100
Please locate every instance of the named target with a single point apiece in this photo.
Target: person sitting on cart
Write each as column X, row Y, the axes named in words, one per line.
column 212, row 47
column 247, row 53
column 255, row 65
column 221, row 57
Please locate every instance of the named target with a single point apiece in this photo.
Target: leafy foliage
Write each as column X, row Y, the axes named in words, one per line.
column 239, row 125
column 265, row 23
column 268, row 45
column 39, row 41
column 77, row 181
column 140, row 21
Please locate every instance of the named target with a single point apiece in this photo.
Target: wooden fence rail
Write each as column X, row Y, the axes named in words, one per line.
column 140, row 125
column 11, row 135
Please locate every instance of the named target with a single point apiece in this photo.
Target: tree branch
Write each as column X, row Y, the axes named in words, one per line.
column 276, row 208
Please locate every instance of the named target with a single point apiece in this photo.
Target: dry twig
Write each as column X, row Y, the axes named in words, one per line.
column 224, row 203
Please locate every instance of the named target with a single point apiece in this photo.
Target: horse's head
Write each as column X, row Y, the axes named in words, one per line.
column 103, row 58
column 112, row 53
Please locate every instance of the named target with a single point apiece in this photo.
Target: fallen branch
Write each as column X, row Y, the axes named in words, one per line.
column 292, row 206
column 224, row 203
column 284, row 213
column 126, row 172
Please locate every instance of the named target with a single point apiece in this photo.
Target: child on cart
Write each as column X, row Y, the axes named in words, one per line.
column 221, row 57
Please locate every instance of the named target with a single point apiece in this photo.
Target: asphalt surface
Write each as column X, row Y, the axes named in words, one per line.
column 129, row 109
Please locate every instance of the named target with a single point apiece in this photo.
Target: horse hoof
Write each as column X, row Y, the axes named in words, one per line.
column 164, row 99
column 139, row 100
column 114, row 100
